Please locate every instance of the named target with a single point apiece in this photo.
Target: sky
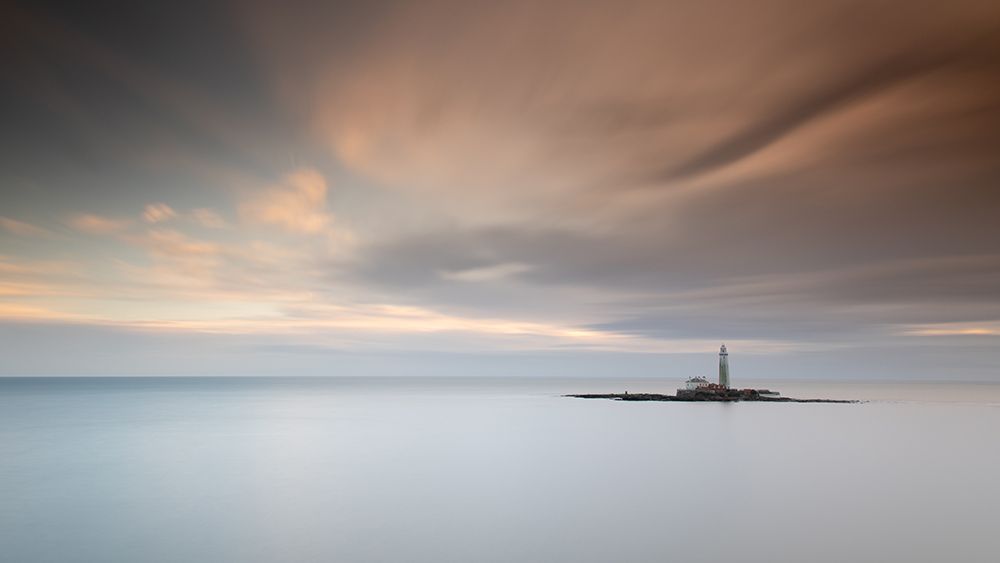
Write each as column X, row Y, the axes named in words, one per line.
column 513, row 188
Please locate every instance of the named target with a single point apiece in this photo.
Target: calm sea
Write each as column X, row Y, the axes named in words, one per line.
column 254, row 470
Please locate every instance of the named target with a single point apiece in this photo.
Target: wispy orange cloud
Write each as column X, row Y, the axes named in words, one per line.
column 166, row 242
column 21, row 312
column 955, row 329
column 208, row 218
column 30, row 288
column 382, row 325
column 98, row 225
column 158, row 212
column 10, row 266
column 22, row 229
column 297, row 204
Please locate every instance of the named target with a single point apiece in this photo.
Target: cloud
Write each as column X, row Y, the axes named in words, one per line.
column 208, row 218
column 486, row 273
column 23, row 229
column 567, row 175
column 18, row 311
column 38, row 288
column 10, row 266
column 158, row 213
column 396, row 327
column 954, row 329
column 562, row 108
column 869, row 80
column 181, row 263
column 98, row 225
column 297, row 204
column 166, row 242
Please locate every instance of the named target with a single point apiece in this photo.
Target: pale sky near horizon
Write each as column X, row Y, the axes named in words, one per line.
column 497, row 188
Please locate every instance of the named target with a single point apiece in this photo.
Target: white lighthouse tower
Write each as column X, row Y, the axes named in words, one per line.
column 724, row 367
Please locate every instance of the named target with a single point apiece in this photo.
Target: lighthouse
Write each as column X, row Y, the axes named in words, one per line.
column 723, row 367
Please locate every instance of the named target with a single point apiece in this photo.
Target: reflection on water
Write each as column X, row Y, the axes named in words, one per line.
column 393, row 469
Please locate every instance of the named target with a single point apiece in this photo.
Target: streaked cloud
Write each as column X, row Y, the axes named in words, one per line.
column 486, row 273
column 11, row 266
column 22, row 312
column 955, row 329
column 516, row 119
column 98, row 225
column 576, row 175
column 208, row 218
column 22, row 229
column 297, row 204
column 158, row 213
column 172, row 243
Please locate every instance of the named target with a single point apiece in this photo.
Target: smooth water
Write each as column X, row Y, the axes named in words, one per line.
column 251, row 470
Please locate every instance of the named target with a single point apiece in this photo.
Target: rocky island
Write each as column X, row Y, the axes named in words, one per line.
column 732, row 396
column 700, row 389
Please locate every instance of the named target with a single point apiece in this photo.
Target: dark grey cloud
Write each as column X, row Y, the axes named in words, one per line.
column 832, row 305
column 865, row 81
column 114, row 100
column 684, row 296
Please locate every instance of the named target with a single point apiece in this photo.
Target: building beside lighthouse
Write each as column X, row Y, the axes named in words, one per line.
column 696, row 383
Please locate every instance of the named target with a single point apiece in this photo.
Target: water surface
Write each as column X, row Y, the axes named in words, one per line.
column 432, row 470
